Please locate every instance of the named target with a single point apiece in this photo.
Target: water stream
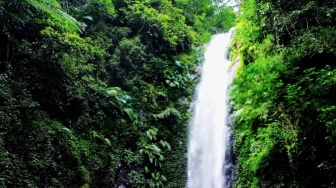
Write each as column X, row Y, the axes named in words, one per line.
column 210, row 140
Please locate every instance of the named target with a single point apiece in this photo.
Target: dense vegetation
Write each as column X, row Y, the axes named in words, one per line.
column 95, row 93
column 284, row 94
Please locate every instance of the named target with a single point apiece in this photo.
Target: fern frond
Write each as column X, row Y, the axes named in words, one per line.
column 166, row 113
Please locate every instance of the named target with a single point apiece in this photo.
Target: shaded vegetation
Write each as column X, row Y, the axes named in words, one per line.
column 95, row 93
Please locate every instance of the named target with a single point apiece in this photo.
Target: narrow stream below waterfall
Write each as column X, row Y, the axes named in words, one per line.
column 210, row 148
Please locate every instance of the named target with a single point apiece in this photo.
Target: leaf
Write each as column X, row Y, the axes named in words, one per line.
column 133, row 116
column 122, row 100
column 94, row 134
column 148, row 133
column 163, row 178
column 171, row 84
column 151, row 159
column 108, row 142
column 113, row 91
column 156, row 149
column 162, row 143
column 88, row 18
column 67, row 130
column 168, row 146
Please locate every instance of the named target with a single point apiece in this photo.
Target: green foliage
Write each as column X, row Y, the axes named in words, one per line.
column 223, row 20
column 153, row 154
column 102, row 6
column 58, row 18
column 283, row 94
column 97, row 92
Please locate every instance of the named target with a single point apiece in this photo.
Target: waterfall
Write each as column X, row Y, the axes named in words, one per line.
column 210, row 140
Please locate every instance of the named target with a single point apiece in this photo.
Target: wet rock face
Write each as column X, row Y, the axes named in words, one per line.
column 229, row 175
column 123, row 174
column 229, row 166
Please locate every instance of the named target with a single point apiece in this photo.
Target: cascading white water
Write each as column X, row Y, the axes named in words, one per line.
column 209, row 130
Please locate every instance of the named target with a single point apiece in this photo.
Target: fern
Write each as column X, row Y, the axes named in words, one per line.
column 166, row 113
